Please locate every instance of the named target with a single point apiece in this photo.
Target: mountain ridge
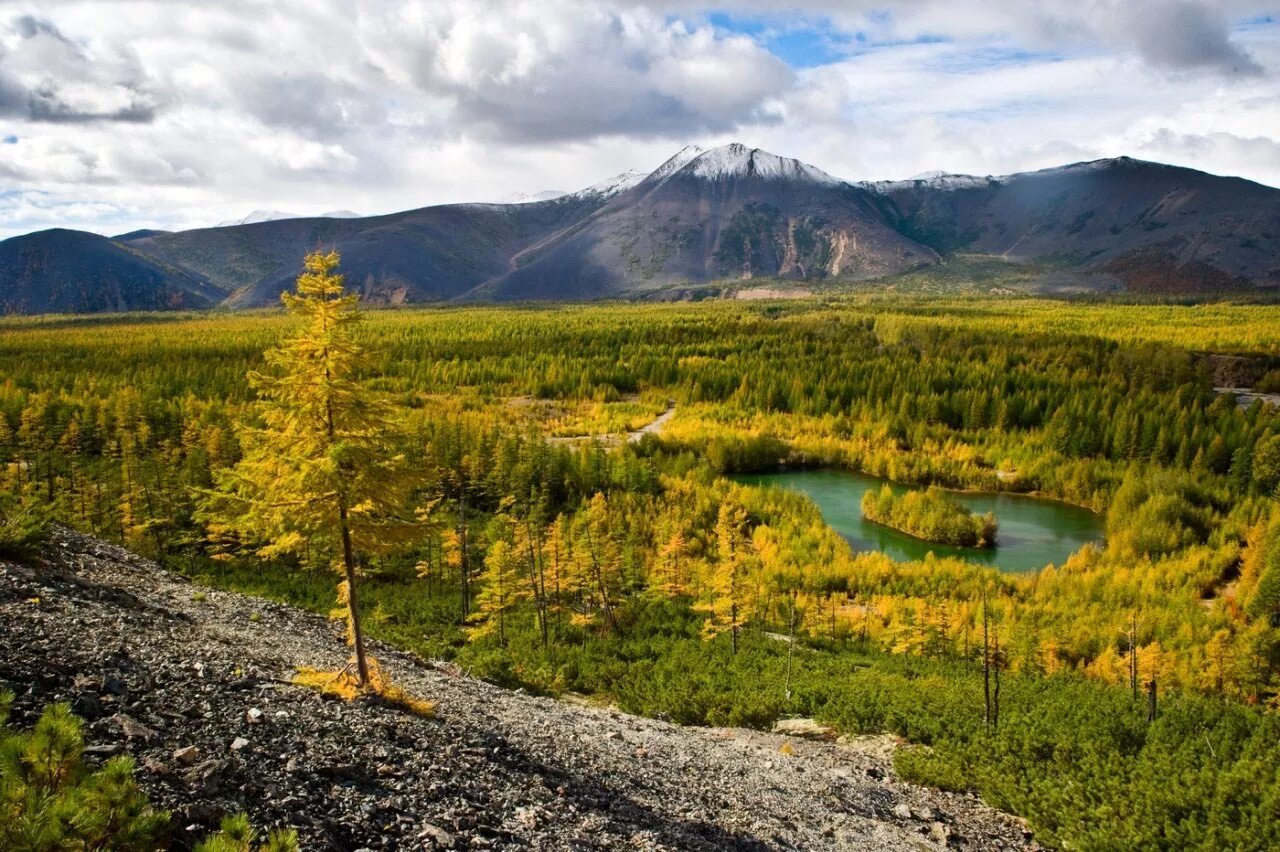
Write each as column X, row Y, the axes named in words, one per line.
column 724, row 214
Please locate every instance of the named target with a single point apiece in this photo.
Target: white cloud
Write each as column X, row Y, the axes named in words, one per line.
column 142, row 112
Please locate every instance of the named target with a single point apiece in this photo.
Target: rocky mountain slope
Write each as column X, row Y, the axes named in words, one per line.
column 196, row 685
column 728, row 213
column 731, row 212
column 62, row 271
column 1151, row 227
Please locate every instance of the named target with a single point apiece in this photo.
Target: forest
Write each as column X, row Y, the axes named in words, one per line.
column 930, row 515
column 503, row 518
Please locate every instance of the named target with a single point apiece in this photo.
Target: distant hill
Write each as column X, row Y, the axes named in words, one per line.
column 257, row 216
column 1153, row 228
column 63, row 271
column 725, row 214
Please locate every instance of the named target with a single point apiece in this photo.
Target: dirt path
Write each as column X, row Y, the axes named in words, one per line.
column 1245, row 397
column 157, row 665
column 654, row 427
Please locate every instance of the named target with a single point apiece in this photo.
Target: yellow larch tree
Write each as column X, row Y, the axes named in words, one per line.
column 727, row 597
column 320, row 478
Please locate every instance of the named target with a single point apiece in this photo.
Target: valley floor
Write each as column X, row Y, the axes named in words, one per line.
column 156, row 665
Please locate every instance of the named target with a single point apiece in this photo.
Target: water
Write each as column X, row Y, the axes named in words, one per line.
column 1033, row 532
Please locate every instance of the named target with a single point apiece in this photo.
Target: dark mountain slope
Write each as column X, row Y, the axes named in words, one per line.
column 62, row 271
column 722, row 214
column 430, row 254
column 1154, row 227
column 731, row 212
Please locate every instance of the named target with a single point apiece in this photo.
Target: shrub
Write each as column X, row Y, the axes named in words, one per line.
column 49, row 800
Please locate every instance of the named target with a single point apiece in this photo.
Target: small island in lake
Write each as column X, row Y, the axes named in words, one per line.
column 931, row 516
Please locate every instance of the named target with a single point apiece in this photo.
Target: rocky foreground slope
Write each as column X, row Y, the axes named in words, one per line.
column 196, row 685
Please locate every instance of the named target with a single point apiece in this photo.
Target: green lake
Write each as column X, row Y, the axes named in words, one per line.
column 1033, row 533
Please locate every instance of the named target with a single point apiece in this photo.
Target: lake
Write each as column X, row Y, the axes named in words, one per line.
column 1033, row 533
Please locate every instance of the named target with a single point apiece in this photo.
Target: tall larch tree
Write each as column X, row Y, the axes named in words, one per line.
column 727, row 603
column 320, row 478
column 502, row 589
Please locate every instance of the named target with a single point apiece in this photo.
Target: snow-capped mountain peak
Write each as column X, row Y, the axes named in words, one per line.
column 737, row 160
column 676, row 162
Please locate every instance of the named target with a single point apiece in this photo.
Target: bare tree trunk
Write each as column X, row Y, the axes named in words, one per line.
column 995, row 696
column 791, row 642
column 986, row 664
column 1133, row 655
column 464, row 574
column 353, row 606
column 538, row 581
column 1151, row 699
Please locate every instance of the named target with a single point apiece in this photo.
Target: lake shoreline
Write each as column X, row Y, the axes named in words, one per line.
column 1039, row 496
column 1034, row 532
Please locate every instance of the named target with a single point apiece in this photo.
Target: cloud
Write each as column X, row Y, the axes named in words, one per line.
column 1174, row 35
column 536, row 72
column 169, row 113
column 1182, row 34
column 46, row 76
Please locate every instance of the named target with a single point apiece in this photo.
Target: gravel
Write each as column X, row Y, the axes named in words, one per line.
column 197, row 688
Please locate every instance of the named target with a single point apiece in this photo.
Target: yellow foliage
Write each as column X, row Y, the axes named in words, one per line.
column 344, row 684
column 338, row 684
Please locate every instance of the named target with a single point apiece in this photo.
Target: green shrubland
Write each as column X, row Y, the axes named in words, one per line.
column 550, row 553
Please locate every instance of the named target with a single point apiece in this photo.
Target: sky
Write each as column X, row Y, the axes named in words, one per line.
column 124, row 114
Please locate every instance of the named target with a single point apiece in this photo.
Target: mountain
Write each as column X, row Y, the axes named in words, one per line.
column 431, row 254
column 272, row 215
column 730, row 212
column 727, row 213
column 63, row 271
column 533, row 197
column 1147, row 226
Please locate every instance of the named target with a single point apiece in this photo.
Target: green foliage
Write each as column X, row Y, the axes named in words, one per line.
column 930, row 515
column 1159, row 513
column 24, row 522
column 1261, row 575
column 1266, row 463
column 237, row 835
column 49, row 800
column 613, row 559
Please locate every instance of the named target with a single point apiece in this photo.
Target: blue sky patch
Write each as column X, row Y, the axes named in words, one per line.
column 813, row 42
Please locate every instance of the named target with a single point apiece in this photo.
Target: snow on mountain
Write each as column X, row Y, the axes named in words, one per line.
column 734, row 160
column 737, row 160
column 931, row 180
column 678, row 161
column 534, row 197
column 945, row 181
column 610, row 187
column 257, row 216
column 274, row 215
